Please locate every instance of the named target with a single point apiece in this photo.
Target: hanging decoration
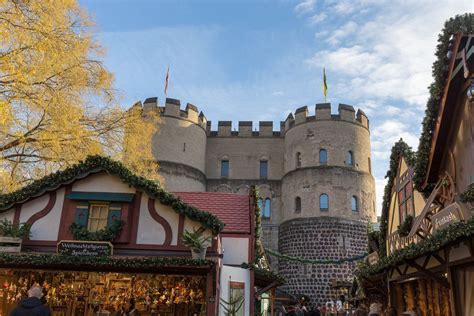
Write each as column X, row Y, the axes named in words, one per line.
column 309, row 261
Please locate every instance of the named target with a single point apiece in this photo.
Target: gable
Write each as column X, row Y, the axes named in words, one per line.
column 98, row 164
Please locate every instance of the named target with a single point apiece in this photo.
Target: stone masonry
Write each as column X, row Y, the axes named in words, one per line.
column 191, row 155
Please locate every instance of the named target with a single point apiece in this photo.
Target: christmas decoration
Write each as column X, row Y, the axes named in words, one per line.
column 94, row 164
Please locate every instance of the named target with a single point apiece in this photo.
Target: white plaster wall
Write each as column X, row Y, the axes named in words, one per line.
column 171, row 217
column 33, row 207
column 235, row 250
column 150, row 232
column 47, row 228
column 8, row 214
column 236, row 275
column 189, row 225
column 102, row 182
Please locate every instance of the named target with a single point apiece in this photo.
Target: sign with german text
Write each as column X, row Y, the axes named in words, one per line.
column 84, row 248
column 447, row 216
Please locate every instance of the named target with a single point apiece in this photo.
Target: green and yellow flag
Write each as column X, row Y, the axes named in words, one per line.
column 325, row 86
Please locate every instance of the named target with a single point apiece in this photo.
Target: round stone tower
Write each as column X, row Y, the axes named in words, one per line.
column 328, row 195
column 180, row 145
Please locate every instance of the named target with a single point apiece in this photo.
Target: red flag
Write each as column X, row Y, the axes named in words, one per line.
column 167, row 80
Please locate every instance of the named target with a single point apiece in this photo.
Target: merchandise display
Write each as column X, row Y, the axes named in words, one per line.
column 101, row 293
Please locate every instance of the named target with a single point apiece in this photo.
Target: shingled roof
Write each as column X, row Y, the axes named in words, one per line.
column 232, row 209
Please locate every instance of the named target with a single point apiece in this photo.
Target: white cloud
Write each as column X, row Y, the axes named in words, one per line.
column 344, row 31
column 305, row 7
column 318, row 18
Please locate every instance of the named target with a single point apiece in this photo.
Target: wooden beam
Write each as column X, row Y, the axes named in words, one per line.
column 429, row 274
column 268, row 287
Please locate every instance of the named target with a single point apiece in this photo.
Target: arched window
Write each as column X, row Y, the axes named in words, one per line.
column 324, row 202
column 267, row 210
column 323, row 156
column 298, row 159
column 354, row 206
column 297, row 204
column 350, row 158
column 260, row 205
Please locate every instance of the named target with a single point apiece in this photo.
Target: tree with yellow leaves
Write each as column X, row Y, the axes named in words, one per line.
column 57, row 104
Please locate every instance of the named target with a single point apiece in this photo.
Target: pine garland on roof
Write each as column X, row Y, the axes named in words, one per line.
column 94, row 164
column 459, row 24
column 400, row 149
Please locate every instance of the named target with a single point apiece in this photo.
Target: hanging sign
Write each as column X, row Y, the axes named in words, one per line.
column 84, row 248
column 447, row 216
column 373, row 258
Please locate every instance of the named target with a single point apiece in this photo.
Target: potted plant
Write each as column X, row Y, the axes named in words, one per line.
column 197, row 242
column 11, row 236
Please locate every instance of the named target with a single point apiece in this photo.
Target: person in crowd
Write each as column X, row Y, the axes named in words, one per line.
column 316, row 311
column 32, row 305
column 375, row 309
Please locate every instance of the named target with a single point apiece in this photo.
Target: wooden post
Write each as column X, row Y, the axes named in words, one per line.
column 436, row 300
column 399, row 298
column 272, row 300
column 410, row 299
column 422, row 297
column 429, row 287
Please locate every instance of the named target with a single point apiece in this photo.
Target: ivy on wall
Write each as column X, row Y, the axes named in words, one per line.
column 400, row 149
column 258, row 225
column 452, row 234
column 459, row 24
column 97, row 263
column 94, row 164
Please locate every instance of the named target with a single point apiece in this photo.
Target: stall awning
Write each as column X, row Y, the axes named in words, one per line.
column 100, row 196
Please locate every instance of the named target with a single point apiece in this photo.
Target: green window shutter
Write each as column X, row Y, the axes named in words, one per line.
column 82, row 214
column 115, row 213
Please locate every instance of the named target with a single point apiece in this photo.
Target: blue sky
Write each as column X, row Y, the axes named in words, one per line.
column 260, row 60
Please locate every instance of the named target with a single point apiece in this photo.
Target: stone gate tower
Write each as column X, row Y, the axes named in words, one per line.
column 313, row 175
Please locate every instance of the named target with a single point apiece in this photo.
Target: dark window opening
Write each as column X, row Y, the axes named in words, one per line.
column 297, row 205
column 354, row 205
column 224, row 168
column 263, row 169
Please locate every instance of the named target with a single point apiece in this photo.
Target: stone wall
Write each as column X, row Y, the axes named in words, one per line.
column 319, row 239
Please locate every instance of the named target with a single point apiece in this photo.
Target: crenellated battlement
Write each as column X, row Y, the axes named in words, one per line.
column 172, row 108
column 191, row 113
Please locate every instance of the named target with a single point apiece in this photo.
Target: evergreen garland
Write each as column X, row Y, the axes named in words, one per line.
column 400, row 149
column 405, row 227
column 47, row 261
column 468, row 195
column 94, row 164
column 459, row 24
column 309, row 261
column 264, row 272
column 258, row 225
column 450, row 235
column 109, row 233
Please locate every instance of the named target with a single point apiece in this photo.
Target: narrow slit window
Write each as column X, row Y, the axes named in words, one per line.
column 263, row 169
column 354, row 206
column 350, row 158
column 297, row 205
column 323, row 156
column 224, row 168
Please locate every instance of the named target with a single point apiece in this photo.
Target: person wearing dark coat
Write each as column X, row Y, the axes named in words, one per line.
column 32, row 305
